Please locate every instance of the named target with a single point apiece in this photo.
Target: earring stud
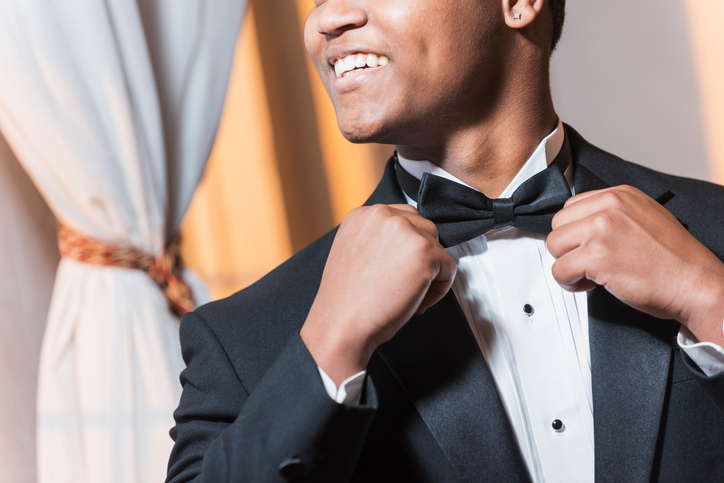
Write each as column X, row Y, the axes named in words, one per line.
column 516, row 16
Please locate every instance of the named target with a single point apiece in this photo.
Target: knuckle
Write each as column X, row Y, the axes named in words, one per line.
column 352, row 217
column 398, row 226
column 553, row 244
column 451, row 264
column 419, row 244
column 614, row 198
column 378, row 210
column 427, row 274
column 564, row 271
column 432, row 228
column 355, row 212
column 602, row 222
column 419, row 264
column 422, row 251
column 630, row 190
column 597, row 249
column 557, row 270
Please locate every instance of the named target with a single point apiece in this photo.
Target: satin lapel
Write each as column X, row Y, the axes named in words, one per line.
column 387, row 192
column 630, row 351
column 630, row 357
column 438, row 363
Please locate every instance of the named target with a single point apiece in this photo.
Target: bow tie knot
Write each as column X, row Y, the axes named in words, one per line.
column 504, row 212
column 462, row 213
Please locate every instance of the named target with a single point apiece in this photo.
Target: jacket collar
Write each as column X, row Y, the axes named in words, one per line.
column 437, row 361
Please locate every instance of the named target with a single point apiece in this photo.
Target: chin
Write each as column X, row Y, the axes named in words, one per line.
column 358, row 136
column 361, row 131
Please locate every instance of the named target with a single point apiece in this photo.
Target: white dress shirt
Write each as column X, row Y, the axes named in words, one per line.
column 533, row 336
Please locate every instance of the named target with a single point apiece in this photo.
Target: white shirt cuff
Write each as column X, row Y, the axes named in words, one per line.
column 349, row 391
column 707, row 355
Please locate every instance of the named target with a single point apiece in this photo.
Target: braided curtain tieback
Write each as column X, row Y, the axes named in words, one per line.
column 165, row 269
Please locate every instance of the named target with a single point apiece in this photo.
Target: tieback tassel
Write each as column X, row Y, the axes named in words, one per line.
column 165, row 270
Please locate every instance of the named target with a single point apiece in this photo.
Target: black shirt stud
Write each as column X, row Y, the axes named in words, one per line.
column 528, row 309
column 558, row 425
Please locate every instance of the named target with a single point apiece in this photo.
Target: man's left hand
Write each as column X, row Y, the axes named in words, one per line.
column 624, row 240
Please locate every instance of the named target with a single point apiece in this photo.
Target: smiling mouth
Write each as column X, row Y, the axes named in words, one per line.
column 359, row 61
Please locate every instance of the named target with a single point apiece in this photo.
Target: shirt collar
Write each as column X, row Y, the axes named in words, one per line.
column 544, row 155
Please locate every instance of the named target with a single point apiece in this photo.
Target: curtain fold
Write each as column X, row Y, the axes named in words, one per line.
column 112, row 108
column 28, row 258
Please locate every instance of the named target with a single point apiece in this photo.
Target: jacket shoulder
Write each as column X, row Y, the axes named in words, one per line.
column 699, row 206
column 254, row 324
column 615, row 170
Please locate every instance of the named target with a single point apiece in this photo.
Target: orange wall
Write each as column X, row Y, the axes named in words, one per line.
column 706, row 30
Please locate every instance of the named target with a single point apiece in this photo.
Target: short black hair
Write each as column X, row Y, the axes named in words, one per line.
column 558, row 12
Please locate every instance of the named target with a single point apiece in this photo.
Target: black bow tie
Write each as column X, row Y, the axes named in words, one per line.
column 462, row 213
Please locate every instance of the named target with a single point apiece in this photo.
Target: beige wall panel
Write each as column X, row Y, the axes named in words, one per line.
column 624, row 77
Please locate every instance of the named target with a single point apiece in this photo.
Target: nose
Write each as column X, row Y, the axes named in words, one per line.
column 338, row 16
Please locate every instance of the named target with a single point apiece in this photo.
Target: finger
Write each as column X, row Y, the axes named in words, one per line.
column 589, row 203
column 573, row 272
column 568, row 237
column 584, row 285
column 599, row 230
column 585, row 195
column 422, row 224
column 592, row 202
column 409, row 214
column 582, row 196
column 447, row 268
column 404, row 207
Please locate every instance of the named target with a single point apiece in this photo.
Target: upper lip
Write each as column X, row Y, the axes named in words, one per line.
column 335, row 53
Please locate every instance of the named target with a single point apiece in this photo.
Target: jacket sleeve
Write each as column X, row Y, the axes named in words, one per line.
column 713, row 385
column 286, row 429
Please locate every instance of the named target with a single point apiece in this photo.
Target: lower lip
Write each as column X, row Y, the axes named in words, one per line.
column 357, row 78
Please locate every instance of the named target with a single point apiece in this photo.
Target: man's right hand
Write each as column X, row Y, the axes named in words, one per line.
column 385, row 265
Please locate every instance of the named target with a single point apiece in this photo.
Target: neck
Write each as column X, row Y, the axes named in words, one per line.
column 488, row 152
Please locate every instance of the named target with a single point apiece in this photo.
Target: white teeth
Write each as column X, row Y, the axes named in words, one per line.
column 348, row 64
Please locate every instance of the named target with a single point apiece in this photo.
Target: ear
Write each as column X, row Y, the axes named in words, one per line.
column 526, row 12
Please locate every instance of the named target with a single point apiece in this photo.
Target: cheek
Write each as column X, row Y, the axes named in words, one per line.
column 433, row 43
column 312, row 39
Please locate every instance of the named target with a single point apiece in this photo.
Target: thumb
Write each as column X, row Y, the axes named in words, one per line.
column 440, row 286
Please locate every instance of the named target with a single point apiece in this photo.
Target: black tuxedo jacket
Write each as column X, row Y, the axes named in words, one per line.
column 254, row 407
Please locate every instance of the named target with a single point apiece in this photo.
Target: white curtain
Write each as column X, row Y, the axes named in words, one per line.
column 112, row 107
column 28, row 258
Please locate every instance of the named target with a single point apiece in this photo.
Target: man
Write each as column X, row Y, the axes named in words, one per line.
column 555, row 355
